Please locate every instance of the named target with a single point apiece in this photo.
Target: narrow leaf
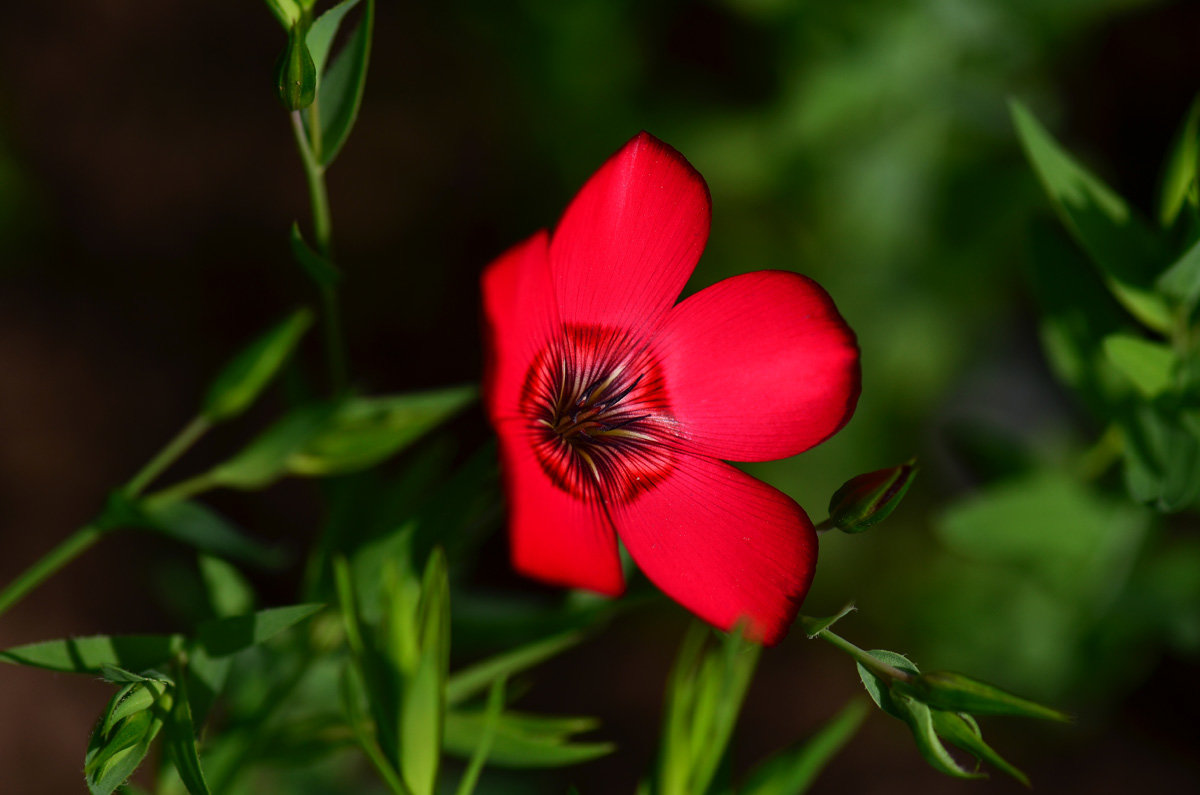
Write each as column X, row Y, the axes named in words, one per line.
column 815, row 626
column 228, row 592
column 202, row 528
column 792, row 772
column 919, row 718
column 1181, row 280
column 1180, row 175
column 224, row 636
column 319, row 269
column 323, row 31
column 961, row 730
column 491, row 717
column 248, row 373
column 92, row 654
column 265, row 459
column 475, row 679
column 341, row 89
column 1149, row 366
column 181, row 744
column 515, row 744
column 1103, row 224
column 364, row 431
column 119, row 744
column 958, row 693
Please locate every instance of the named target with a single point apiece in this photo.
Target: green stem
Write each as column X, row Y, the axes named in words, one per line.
column 69, row 549
column 185, row 489
column 877, row 667
column 323, row 237
column 167, row 456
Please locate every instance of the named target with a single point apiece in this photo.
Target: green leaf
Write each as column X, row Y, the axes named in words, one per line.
column 866, row 500
column 1162, row 457
column 364, row 431
column 473, row 680
column 877, row 688
column 181, row 744
column 491, row 718
column 198, row 526
column 1149, row 366
column 119, row 744
column 265, row 459
column 961, row 730
column 1103, row 224
column 323, row 31
column 1181, row 280
column 118, row 675
column 248, row 373
column 959, row 693
column 92, row 654
column 341, row 90
column 423, row 705
column 520, row 741
column 793, row 771
column 228, row 592
column 319, row 269
column 815, row 626
column 1179, row 178
column 221, row 637
column 286, row 11
column 919, row 718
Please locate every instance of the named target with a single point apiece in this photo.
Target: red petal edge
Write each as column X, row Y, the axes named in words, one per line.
column 724, row 545
column 630, row 239
column 555, row 537
column 759, row 366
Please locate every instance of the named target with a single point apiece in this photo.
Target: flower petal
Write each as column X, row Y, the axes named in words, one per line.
column 518, row 307
column 724, row 545
column 555, row 537
column 759, row 366
column 630, row 239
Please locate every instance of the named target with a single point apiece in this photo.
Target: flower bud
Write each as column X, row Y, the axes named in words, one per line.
column 868, row 499
column 295, row 72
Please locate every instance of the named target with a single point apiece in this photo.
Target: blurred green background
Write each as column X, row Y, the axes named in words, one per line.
column 148, row 179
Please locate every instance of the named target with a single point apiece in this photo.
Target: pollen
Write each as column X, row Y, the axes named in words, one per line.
column 598, row 415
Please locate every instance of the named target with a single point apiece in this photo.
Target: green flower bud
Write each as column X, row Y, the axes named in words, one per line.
column 868, row 499
column 295, row 72
column 958, row 693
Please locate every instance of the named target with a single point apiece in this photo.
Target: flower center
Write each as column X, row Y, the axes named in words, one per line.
column 598, row 414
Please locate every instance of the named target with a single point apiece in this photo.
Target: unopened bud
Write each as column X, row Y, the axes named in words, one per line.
column 958, row 693
column 295, row 72
column 868, row 499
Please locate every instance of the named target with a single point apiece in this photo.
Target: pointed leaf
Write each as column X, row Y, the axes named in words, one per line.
column 517, row 743
column 364, row 431
column 1116, row 240
column 180, row 744
column 1180, row 176
column 1149, row 366
column 319, row 269
column 91, row 654
column 119, row 744
column 919, row 718
column 224, row 636
column 961, row 730
column 793, row 771
column 475, row 679
column 265, row 459
column 204, row 529
column 815, row 626
column 286, row 11
column 958, row 693
column 342, row 86
column 877, row 688
column 323, row 31
column 228, row 592
column 491, row 718
column 1181, row 280
column 248, row 373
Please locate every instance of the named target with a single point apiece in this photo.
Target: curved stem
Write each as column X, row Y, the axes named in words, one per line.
column 174, row 448
column 875, row 666
column 69, row 549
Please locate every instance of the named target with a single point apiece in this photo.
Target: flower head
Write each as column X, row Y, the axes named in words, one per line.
column 615, row 406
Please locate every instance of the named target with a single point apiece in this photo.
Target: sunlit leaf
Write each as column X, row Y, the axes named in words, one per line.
column 265, row 459
column 519, row 740
column 228, row 592
column 247, row 374
column 959, row 693
column 364, row 431
column 122, row 736
column 91, row 654
column 323, row 31
column 1179, row 178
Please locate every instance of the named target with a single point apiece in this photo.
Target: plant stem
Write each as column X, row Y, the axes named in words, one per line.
column 185, row 489
column 173, row 449
column 323, row 237
column 69, row 549
column 875, row 666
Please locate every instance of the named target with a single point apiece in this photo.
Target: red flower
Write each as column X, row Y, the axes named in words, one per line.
column 614, row 405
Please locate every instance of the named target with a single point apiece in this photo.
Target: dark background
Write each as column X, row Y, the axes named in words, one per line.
column 148, row 179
